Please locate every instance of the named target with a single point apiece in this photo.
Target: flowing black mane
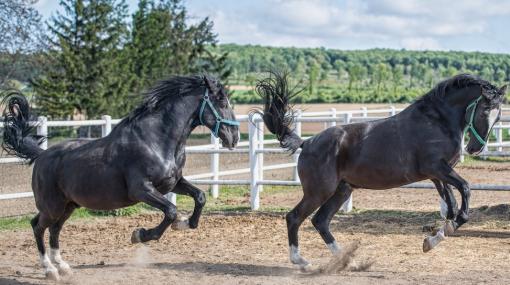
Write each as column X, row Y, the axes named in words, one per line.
column 457, row 82
column 168, row 90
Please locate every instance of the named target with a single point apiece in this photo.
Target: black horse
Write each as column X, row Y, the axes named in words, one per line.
column 421, row 142
column 139, row 161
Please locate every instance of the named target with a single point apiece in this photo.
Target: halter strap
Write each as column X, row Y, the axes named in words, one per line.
column 471, row 127
column 206, row 101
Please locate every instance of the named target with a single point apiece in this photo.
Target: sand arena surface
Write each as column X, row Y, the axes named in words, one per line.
column 252, row 249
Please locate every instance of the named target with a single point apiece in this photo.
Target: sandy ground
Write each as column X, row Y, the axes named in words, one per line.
column 251, row 249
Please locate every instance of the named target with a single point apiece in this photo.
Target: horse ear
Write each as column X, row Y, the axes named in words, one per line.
column 502, row 90
column 209, row 84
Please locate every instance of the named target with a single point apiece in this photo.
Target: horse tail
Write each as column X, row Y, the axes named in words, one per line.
column 277, row 112
column 18, row 138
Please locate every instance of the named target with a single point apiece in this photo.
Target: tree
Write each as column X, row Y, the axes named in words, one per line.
column 381, row 74
column 313, row 75
column 163, row 43
column 397, row 76
column 20, row 27
column 88, row 75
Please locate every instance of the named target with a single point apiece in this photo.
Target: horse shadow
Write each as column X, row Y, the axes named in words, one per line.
column 13, row 281
column 382, row 222
column 236, row 269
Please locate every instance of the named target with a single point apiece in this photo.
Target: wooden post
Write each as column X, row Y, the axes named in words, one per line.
column 254, row 164
column 295, row 156
column 106, row 128
column 215, row 166
column 42, row 130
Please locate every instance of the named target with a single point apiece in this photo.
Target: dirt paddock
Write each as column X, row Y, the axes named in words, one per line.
column 251, row 248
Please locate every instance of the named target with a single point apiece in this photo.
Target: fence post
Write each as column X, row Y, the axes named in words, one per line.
column 260, row 156
column 295, row 157
column 42, row 130
column 365, row 112
column 215, row 166
column 106, row 128
column 499, row 135
column 347, row 118
column 254, row 163
column 333, row 115
column 393, row 111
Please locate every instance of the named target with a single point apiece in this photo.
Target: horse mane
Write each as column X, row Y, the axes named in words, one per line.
column 168, row 90
column 440, row 91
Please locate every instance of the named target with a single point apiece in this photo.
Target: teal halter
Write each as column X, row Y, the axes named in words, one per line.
column 470, row 126
column 206, row 101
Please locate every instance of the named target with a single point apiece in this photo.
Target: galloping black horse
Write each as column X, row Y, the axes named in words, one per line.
column 421, row 142
column 139, row 161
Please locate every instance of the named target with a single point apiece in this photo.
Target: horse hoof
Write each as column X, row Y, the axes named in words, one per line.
column 449, row 229
column 65, row 270
column 52, row 275
column 180, row 225
column 427, row 246
column 136, row 237
column 306, row 268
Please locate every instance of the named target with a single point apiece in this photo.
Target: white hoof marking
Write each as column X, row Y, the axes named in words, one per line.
column 296, row 258
column 334, row 248
column 63, row 267
column 50, row 270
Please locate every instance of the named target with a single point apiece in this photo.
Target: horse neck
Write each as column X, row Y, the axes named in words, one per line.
column 169, row 127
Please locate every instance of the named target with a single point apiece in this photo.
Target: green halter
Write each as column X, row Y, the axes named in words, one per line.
column 206, row 101
column 470, row 126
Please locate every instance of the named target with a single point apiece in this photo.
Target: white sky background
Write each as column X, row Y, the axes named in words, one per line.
column 468, row 25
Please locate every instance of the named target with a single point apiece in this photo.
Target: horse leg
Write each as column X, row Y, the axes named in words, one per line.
column 153, row 198
column 448, row 202
column 443, row 204
column 185, row 188
column 39, row 225
column 295, row 218
column 449, row 176
column 322, row 218
column 63, row 267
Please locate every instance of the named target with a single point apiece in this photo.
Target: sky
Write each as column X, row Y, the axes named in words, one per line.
column 467, row 25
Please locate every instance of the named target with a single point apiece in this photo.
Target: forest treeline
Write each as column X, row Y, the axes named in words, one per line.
column 376, row 75
column 93, row 58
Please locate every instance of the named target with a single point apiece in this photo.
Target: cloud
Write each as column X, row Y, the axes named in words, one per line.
column 411, row 24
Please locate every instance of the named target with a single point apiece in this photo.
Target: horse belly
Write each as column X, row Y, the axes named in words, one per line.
column 381, row 178
column 99, row 188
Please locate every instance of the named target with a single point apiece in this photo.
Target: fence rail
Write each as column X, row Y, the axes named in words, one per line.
column 257, row 146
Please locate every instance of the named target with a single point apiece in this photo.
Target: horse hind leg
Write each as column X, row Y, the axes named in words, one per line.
column 55, row 257
column 295, row 218
column 322, row 218
column 39, row 225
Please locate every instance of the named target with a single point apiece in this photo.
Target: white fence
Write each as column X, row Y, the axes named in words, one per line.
column 257, row 146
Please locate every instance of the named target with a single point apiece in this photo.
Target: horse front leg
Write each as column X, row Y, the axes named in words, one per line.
column 183, row 187
column 149, row 195
column 448, row 203
column 449, row 176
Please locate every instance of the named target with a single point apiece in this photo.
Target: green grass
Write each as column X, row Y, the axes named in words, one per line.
column 231, row 199
column 22, row 222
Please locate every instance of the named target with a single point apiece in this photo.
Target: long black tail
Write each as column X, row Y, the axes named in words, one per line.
column 18, row 138
column 278, row 114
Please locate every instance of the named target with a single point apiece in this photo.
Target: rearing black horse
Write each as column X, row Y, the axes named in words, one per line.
column 139, row 161
column 422, row 142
